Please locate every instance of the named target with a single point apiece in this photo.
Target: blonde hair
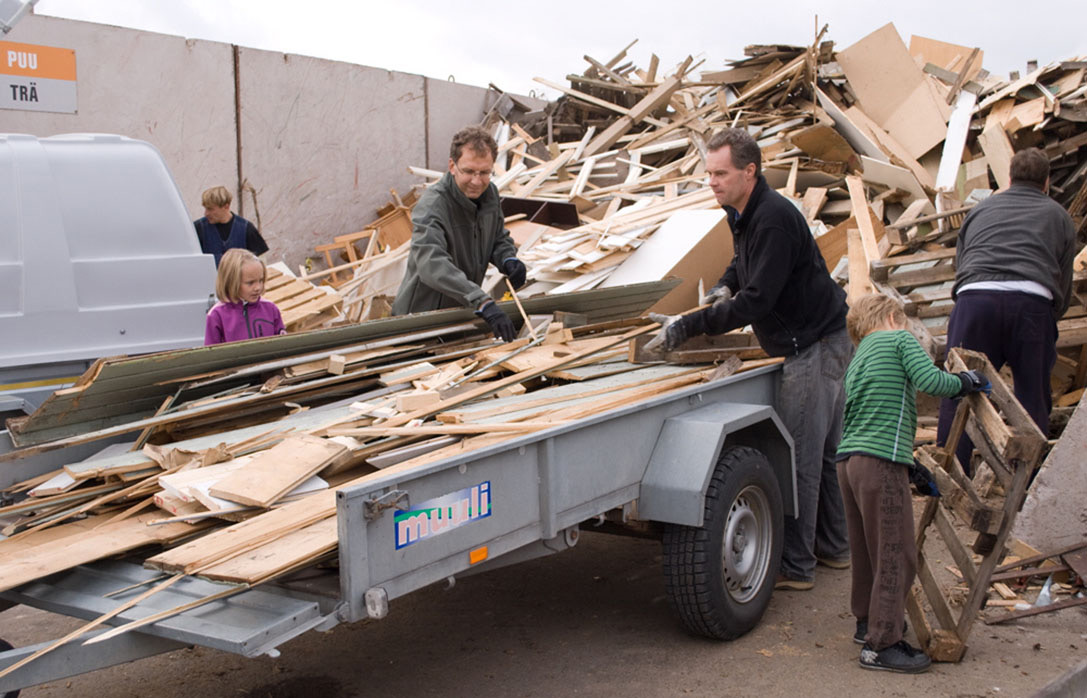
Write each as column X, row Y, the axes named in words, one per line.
column 871, row 311
column 228, row 285
column 216, row 197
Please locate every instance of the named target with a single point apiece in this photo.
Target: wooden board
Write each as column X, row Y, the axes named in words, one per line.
column 998, row 151
column 894, row 91
column 54, row 550
column 277, row 471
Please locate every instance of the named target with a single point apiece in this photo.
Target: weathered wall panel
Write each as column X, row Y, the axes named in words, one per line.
column 451, row 107
column 322, row 143
column 175, row 93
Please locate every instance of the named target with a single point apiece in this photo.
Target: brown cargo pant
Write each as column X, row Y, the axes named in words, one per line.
column 879, row 515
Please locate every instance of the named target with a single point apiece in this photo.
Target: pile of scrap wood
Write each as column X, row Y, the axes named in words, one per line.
column 239, row 448
column 906, row 137
column 616, row 164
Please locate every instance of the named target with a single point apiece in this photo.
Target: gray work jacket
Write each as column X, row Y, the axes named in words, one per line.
column 1019, row 233
column 453, row 239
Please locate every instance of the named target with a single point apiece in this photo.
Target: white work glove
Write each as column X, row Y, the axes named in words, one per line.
column 673, row 332
column 717, row 294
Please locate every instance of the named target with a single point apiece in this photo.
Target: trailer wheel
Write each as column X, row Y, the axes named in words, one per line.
column 4, row 647
column 720, row 576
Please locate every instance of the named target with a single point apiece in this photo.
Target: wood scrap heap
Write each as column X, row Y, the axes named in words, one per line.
column 239, row 448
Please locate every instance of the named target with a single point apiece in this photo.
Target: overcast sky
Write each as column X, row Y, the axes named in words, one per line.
column 508, row 43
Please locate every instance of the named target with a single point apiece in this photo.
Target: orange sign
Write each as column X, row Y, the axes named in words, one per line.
column 37, row 78
column 37, row 61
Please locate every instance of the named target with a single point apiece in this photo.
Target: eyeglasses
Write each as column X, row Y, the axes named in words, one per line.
column 472, row 174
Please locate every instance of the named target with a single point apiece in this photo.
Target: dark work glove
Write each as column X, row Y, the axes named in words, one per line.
column 672, row 333
column 921, row 478
column 498, row 320
column 515, row 271
column 974, row 382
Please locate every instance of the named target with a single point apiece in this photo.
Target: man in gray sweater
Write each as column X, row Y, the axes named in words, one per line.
column 1013, row 281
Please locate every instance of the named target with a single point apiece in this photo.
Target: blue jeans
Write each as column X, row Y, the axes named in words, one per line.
column 810, row 404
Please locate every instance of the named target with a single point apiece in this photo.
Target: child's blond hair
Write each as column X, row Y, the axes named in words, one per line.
column 228, row 285
column 870, row 312
column 216, row 197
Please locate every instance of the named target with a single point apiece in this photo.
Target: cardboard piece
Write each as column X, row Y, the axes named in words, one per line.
column 691, row 245
column 894, row 91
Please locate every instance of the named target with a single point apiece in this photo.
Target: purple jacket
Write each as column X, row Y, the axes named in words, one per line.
column 230, row 322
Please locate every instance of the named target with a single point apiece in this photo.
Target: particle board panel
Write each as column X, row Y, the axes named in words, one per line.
column 894, row 91
column 275, row 472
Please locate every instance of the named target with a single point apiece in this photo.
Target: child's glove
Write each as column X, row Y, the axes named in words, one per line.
column 974, row 382
column 921, row 478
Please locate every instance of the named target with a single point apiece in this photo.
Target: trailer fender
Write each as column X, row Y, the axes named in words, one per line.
column 683, row 459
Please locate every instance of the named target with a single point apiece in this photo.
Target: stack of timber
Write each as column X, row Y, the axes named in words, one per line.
column 239, row 448
column 907, row 137
column 616, row 164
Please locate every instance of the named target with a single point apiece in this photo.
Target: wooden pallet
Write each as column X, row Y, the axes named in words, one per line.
column 1012, row 445
column 300, row 302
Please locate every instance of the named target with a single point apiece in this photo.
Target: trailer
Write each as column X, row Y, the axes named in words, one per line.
column 708, row 469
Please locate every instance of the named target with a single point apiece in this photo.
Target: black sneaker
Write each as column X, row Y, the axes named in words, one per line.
column 862, row 630
column 899, row 657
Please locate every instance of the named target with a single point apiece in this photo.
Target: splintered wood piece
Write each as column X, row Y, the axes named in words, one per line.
column 277, row 555
column 247, row 535
column 40, row 554
column 280, row 469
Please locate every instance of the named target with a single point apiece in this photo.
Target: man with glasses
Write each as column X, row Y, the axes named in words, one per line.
column 458, row 229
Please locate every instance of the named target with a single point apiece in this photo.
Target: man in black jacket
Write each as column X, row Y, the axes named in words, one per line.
column 778, row 283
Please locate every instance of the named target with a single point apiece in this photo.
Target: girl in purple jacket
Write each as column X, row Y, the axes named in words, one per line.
column 240, row 312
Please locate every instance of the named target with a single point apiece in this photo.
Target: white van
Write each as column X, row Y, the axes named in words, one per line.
column 98, row 257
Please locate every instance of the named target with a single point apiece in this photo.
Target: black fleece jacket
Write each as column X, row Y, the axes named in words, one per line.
column 778, row 278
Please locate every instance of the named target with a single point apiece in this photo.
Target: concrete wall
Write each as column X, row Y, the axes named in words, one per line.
column 188, row 117
column 322, row 141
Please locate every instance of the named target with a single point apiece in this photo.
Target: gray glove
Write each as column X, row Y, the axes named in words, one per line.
column 717, row 294
column 673, row 332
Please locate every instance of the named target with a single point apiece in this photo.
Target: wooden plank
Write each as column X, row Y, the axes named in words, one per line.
column 863, row 216
column 963, row 559
column 277, row 471
column 38, row 556
column 648, row 104
column 278, row 555
column 998, row 151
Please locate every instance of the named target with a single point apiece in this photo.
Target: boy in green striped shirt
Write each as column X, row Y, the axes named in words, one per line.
column 874, row 455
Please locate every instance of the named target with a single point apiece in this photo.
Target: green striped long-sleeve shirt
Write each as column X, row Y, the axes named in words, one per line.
column 881, row 387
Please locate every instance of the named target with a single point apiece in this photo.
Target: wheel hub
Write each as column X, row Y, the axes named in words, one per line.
column 746, row 553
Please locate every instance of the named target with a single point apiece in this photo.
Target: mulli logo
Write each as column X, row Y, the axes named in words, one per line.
column 442, row 514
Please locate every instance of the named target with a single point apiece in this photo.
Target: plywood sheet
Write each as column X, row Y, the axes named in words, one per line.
column 692, row 246
column 277, row 471
column 894, row 91
column 949, row 56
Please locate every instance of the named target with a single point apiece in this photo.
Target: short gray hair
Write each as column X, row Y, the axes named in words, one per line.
column 742, row 146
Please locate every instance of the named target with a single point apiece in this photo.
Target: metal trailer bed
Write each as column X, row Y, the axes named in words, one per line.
column 713, row 457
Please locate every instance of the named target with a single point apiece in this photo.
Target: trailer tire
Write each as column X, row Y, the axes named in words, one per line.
column 720, row 576
column 4, row 647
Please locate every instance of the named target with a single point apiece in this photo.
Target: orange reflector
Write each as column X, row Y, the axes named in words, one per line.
column 477, row 555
